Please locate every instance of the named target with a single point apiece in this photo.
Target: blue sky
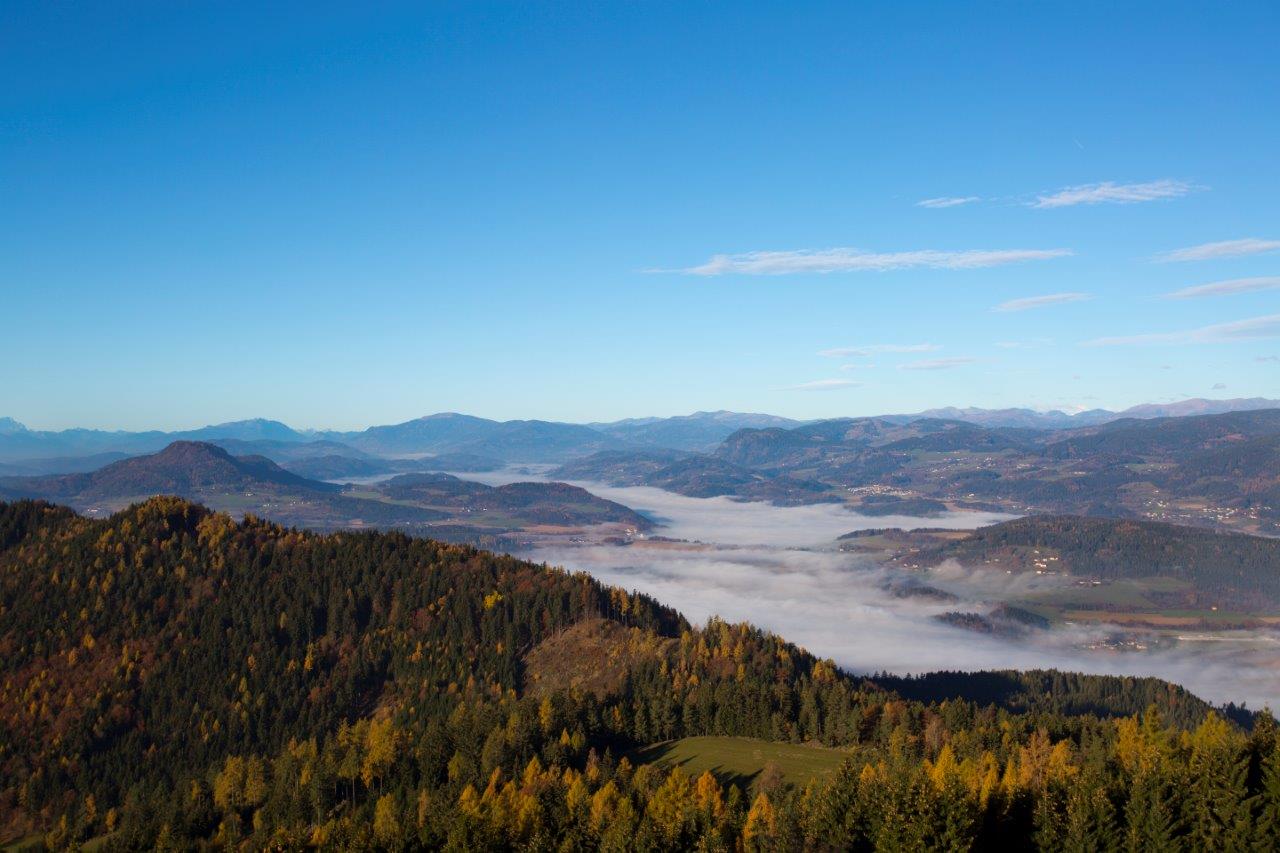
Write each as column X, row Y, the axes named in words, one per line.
column 337, row 215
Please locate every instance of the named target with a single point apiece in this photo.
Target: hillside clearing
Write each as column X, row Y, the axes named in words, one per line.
column 739, row 760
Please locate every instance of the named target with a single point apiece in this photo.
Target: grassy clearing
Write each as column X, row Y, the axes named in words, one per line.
column 739, row 760
column 1111, row 595
column 1131, row 595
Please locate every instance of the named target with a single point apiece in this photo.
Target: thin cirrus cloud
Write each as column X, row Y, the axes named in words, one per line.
column 858, row 260
column 938, row 363
column 871, row 349
column 1253, row 328
column 824, row 385
column 1221, row 249
column 947, row 201
column 1029, row 302
column 1109, row 192
column 1228, row 288
column 1030, row 344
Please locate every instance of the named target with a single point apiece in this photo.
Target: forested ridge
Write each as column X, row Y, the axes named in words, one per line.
column 171, row 678
column 1225, row 568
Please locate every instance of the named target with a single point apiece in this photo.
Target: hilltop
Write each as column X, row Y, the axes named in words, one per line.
column 534, row 503
column 1226, row 569
column 208, row 473
column 700, row 431
column 183, row 468
column 693, row 475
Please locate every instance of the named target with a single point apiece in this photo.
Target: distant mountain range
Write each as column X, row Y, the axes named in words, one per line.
column 489, row 443
column 17, row 442
column 483, row 442
column 1091, row 417
column 1218, row 470
column 699, row 431
column 548, row 441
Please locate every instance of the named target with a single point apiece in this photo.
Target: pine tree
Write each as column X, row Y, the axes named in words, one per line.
column 1220, row 811
column 958, row 823
column 672, row 808
column 1151, row 814
column 1269, row 797
column 1090, row 825
column 838, row 821
column 386, row 822
column 761, row 825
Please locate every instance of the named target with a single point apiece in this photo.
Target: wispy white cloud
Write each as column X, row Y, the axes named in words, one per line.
column 1227, row 288
column 1253, row 328
column 824, row 385
column 947, row 201
column 1109, row 192
column 1030, row 344
column 1261, row 359
column 1029, row 302
column 938, row 363
column 857, row 260
column 1219, row 386
column 1221, row 249
column 869, row 349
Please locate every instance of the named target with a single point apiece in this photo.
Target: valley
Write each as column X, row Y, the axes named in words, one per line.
column 948, row 533
column 876, row 602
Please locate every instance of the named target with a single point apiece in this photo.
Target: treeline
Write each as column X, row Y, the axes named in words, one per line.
column 172, row 678
column 1050, row 691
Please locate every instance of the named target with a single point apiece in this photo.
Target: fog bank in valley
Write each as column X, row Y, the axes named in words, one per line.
column 777, row 568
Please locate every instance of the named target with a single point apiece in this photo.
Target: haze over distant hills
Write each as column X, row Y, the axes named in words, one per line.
column 699, row 431
column 1210, row 463
column 528, row 441
column 1055, row 419
column 1218, row 470
column 18, row 442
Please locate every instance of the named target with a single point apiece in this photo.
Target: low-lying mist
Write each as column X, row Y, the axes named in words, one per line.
column 726, row 521
column 777, row 568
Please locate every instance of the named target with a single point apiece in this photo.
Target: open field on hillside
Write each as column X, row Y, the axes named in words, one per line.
column 740, row 760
